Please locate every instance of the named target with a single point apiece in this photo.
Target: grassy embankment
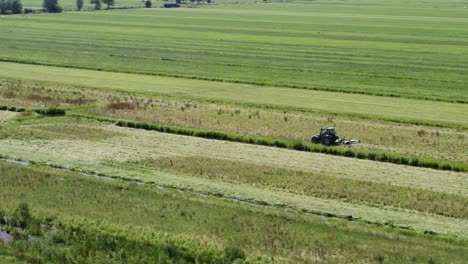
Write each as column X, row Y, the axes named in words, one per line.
column 391, row 48
column 421, row 199
column 263, row 233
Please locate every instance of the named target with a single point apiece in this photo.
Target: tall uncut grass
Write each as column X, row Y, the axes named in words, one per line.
column 131, row 214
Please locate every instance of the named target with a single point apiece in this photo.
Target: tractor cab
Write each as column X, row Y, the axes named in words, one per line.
column 326, row 137
column 327, row 131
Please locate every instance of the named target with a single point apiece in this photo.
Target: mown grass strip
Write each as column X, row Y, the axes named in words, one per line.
column 286, row 144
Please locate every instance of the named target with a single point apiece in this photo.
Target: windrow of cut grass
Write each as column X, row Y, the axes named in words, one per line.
column 309, row 45
column 317, row 185
column 56, row 131
column 140, row 212
column 379, row 108
column 287, row 144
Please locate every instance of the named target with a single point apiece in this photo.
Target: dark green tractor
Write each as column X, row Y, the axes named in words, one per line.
column 326, row 137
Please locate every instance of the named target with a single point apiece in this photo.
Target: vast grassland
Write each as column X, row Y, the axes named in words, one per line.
column 265, row 234
column 137, row 98
column 386, row 49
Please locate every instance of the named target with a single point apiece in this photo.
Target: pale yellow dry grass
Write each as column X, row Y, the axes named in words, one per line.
column 5, row 115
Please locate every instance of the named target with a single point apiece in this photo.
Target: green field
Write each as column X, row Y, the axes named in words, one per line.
column 375, row 106
column 122, row 152
column 265, row 234
column 183, row 135
column 442, row 144
column 382, row 48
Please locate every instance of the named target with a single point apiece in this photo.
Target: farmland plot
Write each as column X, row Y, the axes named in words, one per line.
column 447, row 114
column 120, row 153
column 388, row 49
column 391, row 73
column 260, row 234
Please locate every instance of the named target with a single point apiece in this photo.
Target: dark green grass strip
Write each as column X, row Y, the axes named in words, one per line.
column 286, row 144
column 258, row 83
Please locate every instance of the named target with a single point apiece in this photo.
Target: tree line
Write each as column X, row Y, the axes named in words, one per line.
column 8, row 7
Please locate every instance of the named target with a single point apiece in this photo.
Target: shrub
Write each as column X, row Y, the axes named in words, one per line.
column 22, row 216
column 97, row 4
column 52, row 6
column 50, row 111
column 349, row 153
column 109, row 3
column 148, row 4
column 446, row 166
column 233, row 253
column 361, row 155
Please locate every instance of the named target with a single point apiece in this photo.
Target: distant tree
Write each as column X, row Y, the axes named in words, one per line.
column 10, row 7
column 109, row 3
column 148, row 4
column 97, row 4
column 52, row 6
column 79, row 4
column 16, row 7
column 4, row 7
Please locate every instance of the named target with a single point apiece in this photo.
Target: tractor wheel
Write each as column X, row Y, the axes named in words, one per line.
column 326, row 141
column 315, row 140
